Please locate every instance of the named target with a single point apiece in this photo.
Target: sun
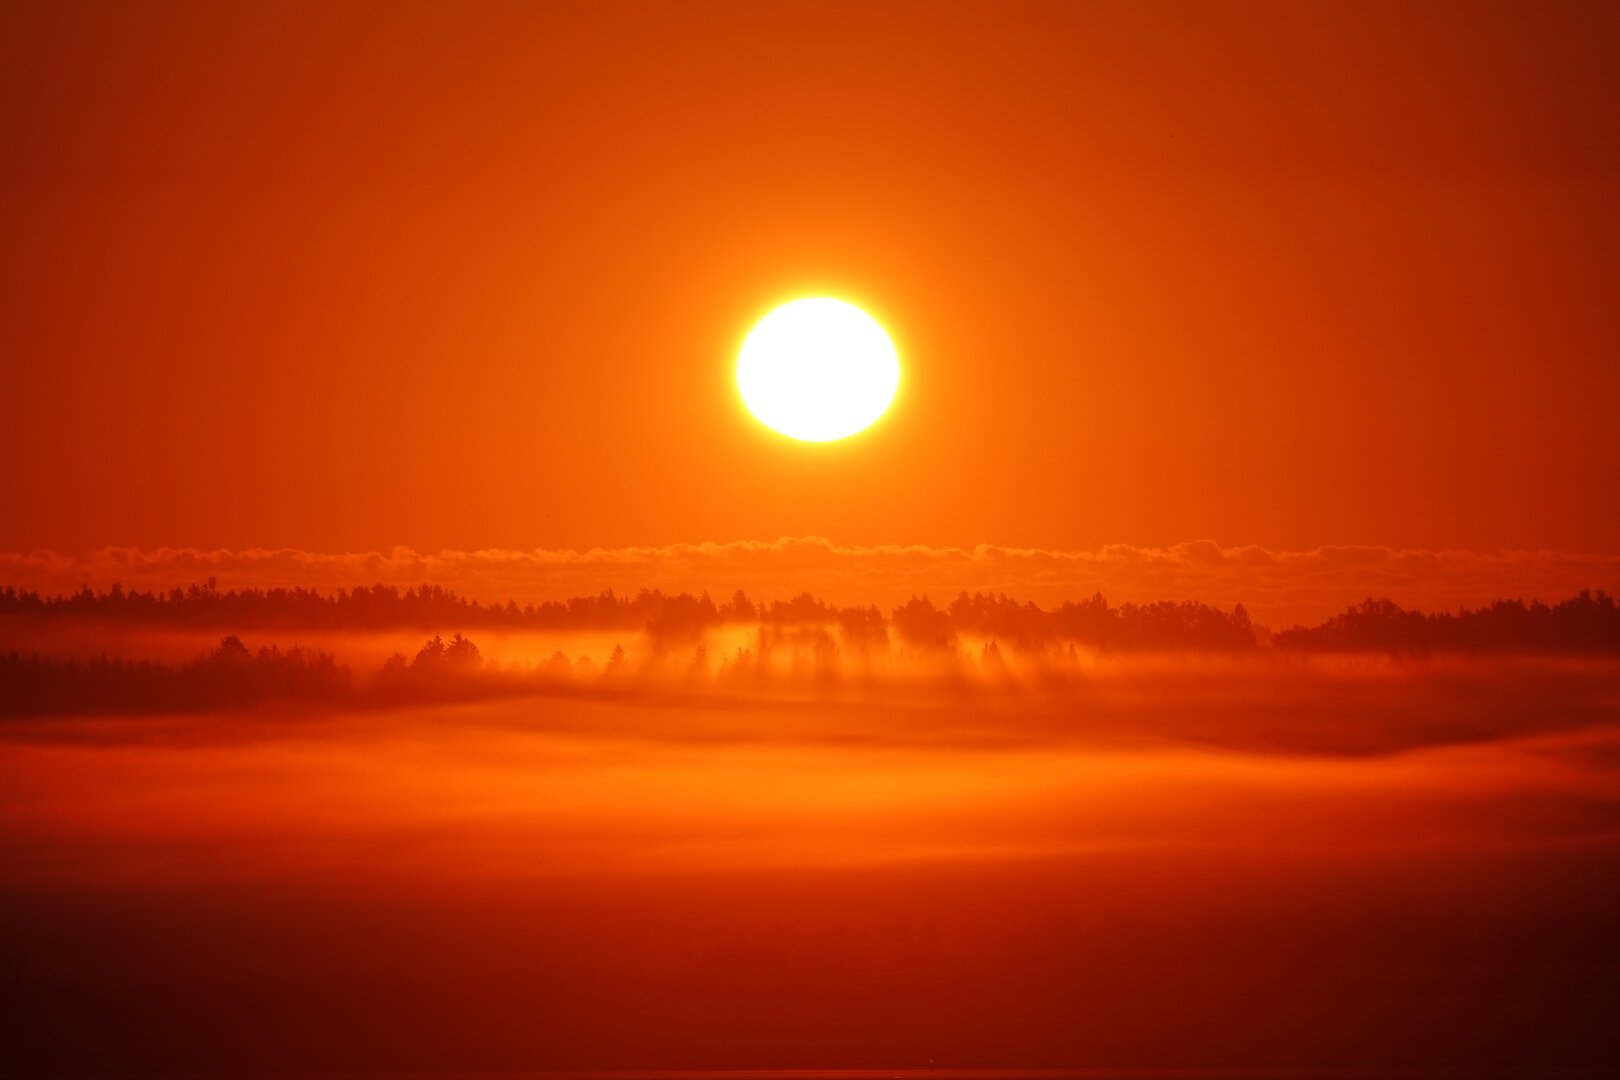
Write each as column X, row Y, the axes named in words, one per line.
column 817, row 370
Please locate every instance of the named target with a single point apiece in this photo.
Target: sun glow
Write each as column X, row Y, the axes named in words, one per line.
column 817, row 370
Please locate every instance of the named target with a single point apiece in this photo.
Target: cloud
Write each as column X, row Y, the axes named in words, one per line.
column 1279, row 587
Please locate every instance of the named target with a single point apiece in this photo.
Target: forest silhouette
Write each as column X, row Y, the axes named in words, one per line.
column 1588, row 622
column 795, row 641
column 230, row 676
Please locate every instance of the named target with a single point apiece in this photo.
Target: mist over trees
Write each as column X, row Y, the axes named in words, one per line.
column 800, row 641
column 669, row 618
column 1586, row 623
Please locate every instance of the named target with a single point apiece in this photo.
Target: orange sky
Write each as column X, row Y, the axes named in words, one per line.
column 454, row 277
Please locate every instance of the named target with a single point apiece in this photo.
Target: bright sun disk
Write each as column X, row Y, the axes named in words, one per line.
column 818, row 369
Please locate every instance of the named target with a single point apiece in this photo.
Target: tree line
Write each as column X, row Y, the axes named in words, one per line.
column 665, row 616
column 388, row 607
column 233, row 676
column 1586, row 623
column 227, row 677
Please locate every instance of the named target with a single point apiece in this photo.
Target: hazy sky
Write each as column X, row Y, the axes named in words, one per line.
column 474, row 276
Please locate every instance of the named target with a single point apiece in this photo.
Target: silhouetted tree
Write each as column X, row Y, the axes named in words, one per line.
column 739, row 608
column 921, row 624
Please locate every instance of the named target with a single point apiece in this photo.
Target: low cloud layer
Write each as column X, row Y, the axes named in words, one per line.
column 1279, row 587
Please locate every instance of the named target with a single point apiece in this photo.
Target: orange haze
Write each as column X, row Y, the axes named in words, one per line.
column 343, row 277
column 1237, row 314
column 641, row 883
